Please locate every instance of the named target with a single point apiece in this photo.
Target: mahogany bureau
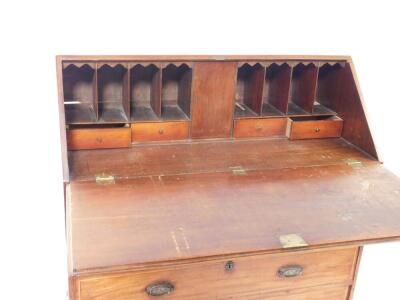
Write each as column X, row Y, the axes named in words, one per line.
column 211, row 177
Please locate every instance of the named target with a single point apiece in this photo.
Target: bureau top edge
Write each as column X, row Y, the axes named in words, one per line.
column 95, row 58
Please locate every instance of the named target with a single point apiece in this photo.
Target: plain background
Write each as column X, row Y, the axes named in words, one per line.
column 32, row 247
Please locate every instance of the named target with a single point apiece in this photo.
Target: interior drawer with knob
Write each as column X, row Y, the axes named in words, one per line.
column 99, row 137
column 160, row 131
column 280, row 275
column 260, row 127
column 314, row 127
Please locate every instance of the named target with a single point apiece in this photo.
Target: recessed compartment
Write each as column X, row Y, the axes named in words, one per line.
column 303, row 89
column 276, row 90
column 314, row 127
column 328, row 88
column 98, row 137
column 145, row 92
column 257, row 127
column 176, row 92
column 249, row 90
column 113, row 93
column 79, row 85
column 160, row 131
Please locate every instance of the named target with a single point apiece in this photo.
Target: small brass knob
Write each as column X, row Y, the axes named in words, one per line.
column 317, row 129
column 229, row 266
column 161, row 131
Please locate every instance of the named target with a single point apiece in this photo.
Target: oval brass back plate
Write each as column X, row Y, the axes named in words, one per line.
column 290, row 271
column 160, row 288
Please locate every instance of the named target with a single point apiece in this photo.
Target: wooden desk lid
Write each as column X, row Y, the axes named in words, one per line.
column 328, row 193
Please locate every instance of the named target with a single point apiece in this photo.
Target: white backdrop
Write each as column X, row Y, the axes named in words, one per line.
column 33, row 261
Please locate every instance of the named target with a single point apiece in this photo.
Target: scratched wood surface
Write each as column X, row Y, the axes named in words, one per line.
column 210, row 156
column 251, row 278
column 168, row 217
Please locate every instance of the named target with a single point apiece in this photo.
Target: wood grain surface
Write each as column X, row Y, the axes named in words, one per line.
column 201, row 192
column 213, row 95
column 160, row 131
column 315, row 129
column 98, row 138
column 246, row 128
column 167, row 218
column 250, row 277
column 211, row 156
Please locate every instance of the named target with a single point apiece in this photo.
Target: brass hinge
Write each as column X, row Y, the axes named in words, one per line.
column 355, row 164
column 238, row 170
column 219, row 58
column 105, row 178
column 292, row 241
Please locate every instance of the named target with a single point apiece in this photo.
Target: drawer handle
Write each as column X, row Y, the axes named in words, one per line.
column 290, row 271
column 229, row 266
column 160, row 288
column 317, row 129
column 161, row 131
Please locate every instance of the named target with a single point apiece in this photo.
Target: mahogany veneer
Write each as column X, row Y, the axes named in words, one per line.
column 211, row 177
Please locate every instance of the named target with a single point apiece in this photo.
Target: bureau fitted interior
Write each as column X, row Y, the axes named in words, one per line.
column 175, row 165
column 160, row 93
column 134, row 91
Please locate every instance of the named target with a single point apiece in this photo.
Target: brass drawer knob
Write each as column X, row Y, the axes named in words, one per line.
column 290, row 271
column 317, row 129
column 229, row 266
column 161, row 131
column 160, row 289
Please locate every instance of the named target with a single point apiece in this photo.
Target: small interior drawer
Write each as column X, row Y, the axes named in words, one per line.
column 314, row 127
column 260, row 127
column 231, row 278
column 160, row 131
column 98, row 138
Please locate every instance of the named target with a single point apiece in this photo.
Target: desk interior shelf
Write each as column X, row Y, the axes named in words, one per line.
column 276, row 90
column 249, row 90
column 79, row 87
column 176, row 92
column 146, row 92
column 303, row 88
column 113, row 93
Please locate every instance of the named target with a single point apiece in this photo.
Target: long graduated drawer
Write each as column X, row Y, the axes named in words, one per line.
column 276, row 276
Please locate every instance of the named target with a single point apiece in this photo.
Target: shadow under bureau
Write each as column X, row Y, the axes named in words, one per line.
column 210, row 177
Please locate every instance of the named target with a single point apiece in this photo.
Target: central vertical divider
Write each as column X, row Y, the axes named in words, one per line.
column 127, row 93
column 213, row 96
column 96, row 93
column 155, row 98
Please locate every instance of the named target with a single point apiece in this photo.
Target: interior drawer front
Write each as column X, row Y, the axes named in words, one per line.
column 98, row 138
column 159, row 131
column 258, row 274
column 314, row 129
column 260, row 127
